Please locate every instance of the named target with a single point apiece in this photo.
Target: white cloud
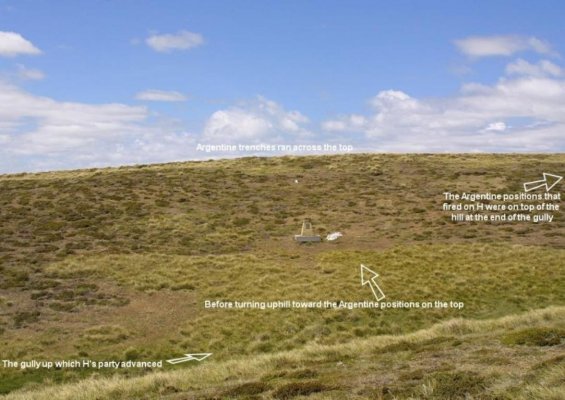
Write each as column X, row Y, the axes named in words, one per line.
column 40, row 133
column 255, row 120
column 236, row 124
column 29, row 73
column 476, row 119
column 542, row 68
column 160, row 95
column 499, row 126
column 394, row 99
column 182, row 40
column 13, row 44
column 485, row 46
column 40, row 124
column 344, row 123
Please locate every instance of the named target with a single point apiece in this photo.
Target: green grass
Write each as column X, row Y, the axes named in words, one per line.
column 536, row 337
column 117, row 263
column 490, row 279
column 360, row 369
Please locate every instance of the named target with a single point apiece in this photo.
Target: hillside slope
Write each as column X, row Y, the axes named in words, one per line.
column 118, row 263
column 506, row 358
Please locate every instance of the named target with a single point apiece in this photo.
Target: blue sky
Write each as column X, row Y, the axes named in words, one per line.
column 96, row 83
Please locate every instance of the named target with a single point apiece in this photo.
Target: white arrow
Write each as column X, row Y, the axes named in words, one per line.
column 548, row 181
column 379, row 295
column 190, row 357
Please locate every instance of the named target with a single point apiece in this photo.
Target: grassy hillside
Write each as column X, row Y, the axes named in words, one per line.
column 506, row 358
column 117, row 264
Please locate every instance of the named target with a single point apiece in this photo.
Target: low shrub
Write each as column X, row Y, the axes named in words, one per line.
column 296, row 389
column 535, row 337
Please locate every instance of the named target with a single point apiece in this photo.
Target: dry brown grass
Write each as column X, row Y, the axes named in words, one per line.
column 141, row 237
column 501, row 380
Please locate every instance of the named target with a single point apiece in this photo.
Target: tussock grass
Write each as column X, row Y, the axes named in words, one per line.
column 536, row 337
column 220, row 375
column 490, row 279
column 459, row 272
column 137, row 247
